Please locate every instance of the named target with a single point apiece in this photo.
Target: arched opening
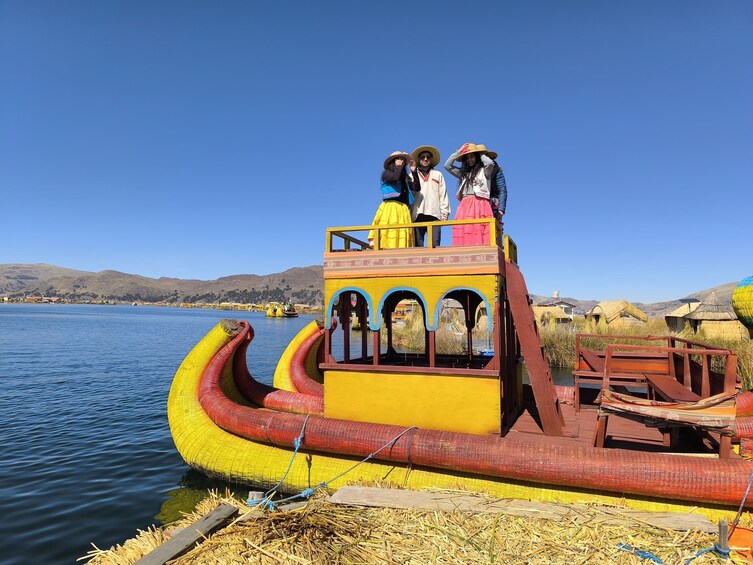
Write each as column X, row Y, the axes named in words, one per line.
column 473, row 325
column 350, row 340
column 404, row 340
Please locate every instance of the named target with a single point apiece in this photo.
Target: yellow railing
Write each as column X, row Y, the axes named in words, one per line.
column 348, row 241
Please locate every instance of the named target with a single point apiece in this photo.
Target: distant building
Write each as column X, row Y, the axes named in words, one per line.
column 615, row 314
column 564, row 305
column 676, row 321
column 714, row 319
column 550, row 316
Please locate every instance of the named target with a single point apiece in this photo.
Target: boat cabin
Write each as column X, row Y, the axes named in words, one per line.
column 464, row 388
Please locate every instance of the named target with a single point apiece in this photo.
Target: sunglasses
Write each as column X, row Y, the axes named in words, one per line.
column 426, row 156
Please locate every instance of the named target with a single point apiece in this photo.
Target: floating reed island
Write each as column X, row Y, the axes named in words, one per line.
column 479, row 530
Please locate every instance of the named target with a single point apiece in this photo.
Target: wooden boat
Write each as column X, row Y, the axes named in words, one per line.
column 344, row 409
column 288, row 311
column 277, row 310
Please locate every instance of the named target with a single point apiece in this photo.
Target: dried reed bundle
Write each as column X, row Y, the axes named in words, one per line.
column 323, row 532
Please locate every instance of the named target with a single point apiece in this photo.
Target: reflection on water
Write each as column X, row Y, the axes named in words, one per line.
column 191, row 490
column 560, row 375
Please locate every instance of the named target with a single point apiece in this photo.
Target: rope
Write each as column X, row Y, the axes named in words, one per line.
column 640, row 553
column 266, row 502
column 723, row 553
column 716, row 548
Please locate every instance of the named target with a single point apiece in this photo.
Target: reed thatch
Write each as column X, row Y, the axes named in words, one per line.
column 711, row 308
column 610, row 310
column 323, row 532
column 550, row 315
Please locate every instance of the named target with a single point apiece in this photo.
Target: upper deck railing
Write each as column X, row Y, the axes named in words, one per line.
column 355, row 238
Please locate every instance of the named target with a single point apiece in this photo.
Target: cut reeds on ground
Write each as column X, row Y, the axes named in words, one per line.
column 323, row 532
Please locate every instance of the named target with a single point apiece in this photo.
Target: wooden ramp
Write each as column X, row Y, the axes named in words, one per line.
column 542, row 384
column 475, row 504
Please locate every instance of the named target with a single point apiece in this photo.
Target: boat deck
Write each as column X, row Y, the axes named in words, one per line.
column 622, row 433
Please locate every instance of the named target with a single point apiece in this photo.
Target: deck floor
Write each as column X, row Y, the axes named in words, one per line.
column 622, row 433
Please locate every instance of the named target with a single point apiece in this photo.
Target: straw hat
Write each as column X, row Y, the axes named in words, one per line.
column 394, row 155
column 429, row 149
column 474, row 148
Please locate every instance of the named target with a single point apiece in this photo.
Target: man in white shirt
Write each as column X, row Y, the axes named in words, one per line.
column 431, row 203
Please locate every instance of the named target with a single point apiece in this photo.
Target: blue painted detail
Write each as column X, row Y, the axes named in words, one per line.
column 362, row 292
column 437, row 310
column 386, row 295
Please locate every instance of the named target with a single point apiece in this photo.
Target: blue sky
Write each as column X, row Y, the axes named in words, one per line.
column 205, row 139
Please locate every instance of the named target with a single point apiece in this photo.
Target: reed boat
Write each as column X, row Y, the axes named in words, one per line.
column 660, row 423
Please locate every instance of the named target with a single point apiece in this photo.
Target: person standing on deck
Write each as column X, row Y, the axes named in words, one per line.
column 397, row 197
column 498, row 191
column 475, row 179
column 431, row 202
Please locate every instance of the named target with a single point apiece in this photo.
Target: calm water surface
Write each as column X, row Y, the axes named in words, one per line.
column 86, row 451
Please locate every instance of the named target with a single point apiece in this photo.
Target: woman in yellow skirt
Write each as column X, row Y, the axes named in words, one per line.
column 397, row 198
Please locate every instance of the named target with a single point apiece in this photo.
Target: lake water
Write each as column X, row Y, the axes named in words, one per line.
column 86, row 450
column 85, row 447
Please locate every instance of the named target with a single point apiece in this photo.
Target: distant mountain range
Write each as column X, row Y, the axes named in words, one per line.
column 299, row 285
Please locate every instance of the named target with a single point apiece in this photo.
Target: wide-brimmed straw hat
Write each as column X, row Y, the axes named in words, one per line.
column 476, row 148
column 427, row 149
column 394, row 155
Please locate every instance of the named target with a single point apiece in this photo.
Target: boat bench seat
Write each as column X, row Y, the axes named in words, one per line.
column 592, row 372
column 669, row 389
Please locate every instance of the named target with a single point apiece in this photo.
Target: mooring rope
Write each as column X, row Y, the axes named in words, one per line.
column 266, row 499
column 722, row 552
column 639, row 552
column 266, row 502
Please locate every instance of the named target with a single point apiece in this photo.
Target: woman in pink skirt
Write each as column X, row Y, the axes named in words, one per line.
column 474, row 186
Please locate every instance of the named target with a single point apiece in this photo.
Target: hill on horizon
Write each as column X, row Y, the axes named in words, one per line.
column 299, row 285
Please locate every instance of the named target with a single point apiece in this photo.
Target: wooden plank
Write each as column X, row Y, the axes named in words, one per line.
column 596, row 362
column 530, row 345
column 190, row 536
column 670, row 390
column 469, row 503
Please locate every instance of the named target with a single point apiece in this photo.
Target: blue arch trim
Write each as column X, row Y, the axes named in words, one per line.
column 390, row 292
column 359, row 290
column 489, row 321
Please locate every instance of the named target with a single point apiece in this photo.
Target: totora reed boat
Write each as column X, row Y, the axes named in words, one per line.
column 660, row 423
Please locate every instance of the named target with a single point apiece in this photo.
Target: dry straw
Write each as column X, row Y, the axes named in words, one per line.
column 323, row 532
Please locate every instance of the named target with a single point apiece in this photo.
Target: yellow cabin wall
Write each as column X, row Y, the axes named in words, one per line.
column 456, row 403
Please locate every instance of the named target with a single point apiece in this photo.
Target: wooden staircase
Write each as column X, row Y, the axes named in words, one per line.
column 542, row 384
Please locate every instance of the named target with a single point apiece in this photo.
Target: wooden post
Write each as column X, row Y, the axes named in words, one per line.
column 723, row 536
column 432, row 347
column 468, row 328
column 345, row 323
column 705, row 378
column 376, row 345
column 362, row 318
column 686, row 367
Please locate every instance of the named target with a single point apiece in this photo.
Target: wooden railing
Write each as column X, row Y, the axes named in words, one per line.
column 342, row 238
column 703, row 369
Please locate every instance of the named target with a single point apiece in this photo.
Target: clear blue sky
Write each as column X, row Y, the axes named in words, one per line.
column 202, row 139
